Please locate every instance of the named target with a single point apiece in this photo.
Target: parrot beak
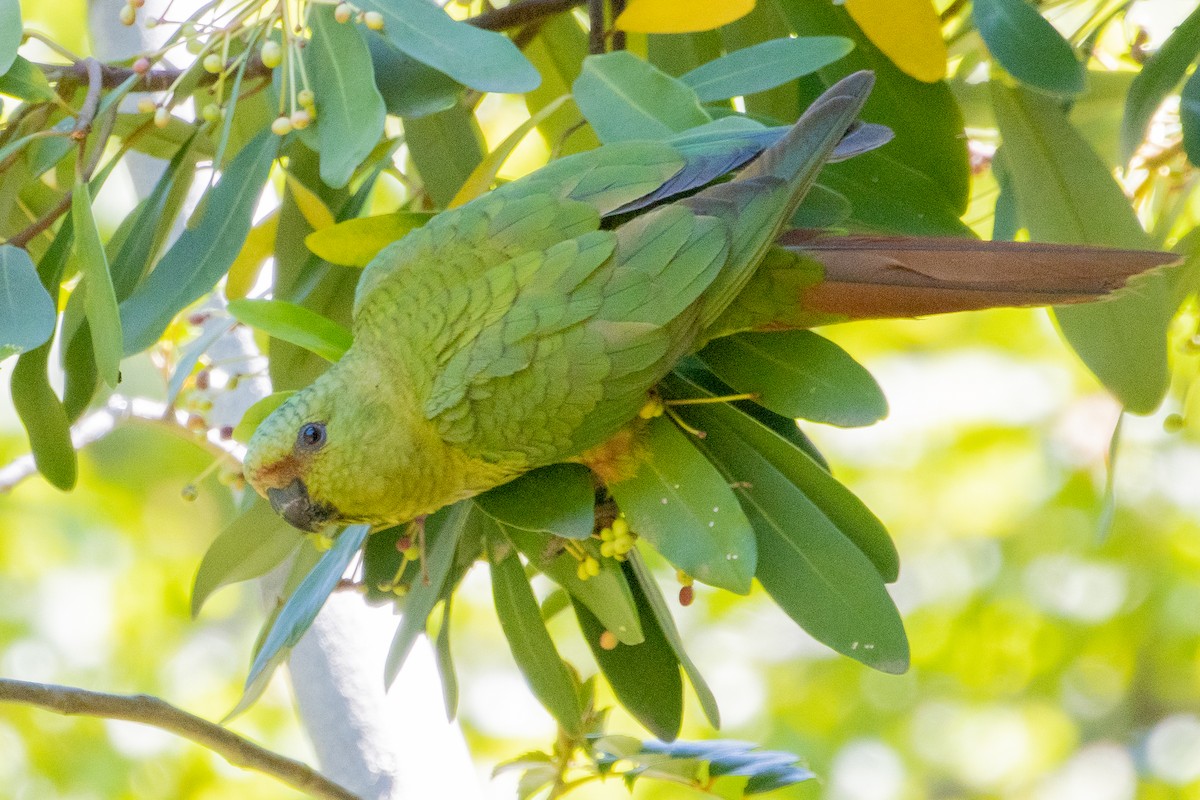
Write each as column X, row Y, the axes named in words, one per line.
column 294, row 505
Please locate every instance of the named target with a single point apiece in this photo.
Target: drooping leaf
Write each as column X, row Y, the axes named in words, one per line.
column 446, row 148
column 1159, row 75
column 256, row 413
column 256, row 542
column 1066, row 194
column 907, row 31
column 680, row 16
column 302, row 607
column 10, row 33
column 1029, row 47
column 22, row 79
column 203, row 252
column 764, row 66
column 27, row 313
column 350, row 111
column 798, row 374
column 625, row 98
column 680, row 504
column 445, row 663
column 315, row 212
column 99, row 301
column 355, row 242
column 645, row 676
column 443, row 530
column 409, row 88
column 707, row 762
column 531, row 645
column 474, row 57
column 258, row 247
column 557, row 499
column 294, row 324
column 607, row 595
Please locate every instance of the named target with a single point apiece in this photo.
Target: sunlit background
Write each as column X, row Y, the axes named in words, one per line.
column 1055, row 638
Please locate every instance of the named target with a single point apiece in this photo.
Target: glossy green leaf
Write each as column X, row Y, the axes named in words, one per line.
column 607, row 595
column 302, row 607
column 408, row 87
column 24, row 80
column 443, row 530
column 350, row 110
column 1066, row 194
column 27, row 313
column 798, row 374
column 1189, row 116
column 764, row 66
column 445, row 663
column 666, row 623
column 355, row 242
column 256, row 413
column 445, row 147
column 817, row 575
column 10, row 33
column 165, row 142
column 889, row 196
column 203, row 252
column 474, row 57
column 256, row 542
column 625, row 98
column 557, row 51
column 99, row 300
column 531, row 645
column 680, row 504
column 294, row 324
column 644, row 677
column 1028, row 46
column 1161, row 73
column 558, row 499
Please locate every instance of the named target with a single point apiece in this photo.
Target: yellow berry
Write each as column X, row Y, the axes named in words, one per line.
column 301, row 119
column 146, row 105
column 620, row 528
column 412, row 553
column 282, row 126
column 213, row 63
column 608, row 641
column 1174, row 423
column 683, row 578
column 343, row 12
column 321, row 542
column 581, row 572
column 151, row 23
column 189, row 492
column 211, row 112
column 607, row 550
column 592, row 566
column 137, row 3
column 374, row 20
column 161, row 117
column 623, row 546
column 306, row 98
column 128, row 15
column 606, row 535
column 652, row 408
column 271, row 55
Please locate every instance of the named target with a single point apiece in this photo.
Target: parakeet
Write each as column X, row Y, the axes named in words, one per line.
column 527, row 327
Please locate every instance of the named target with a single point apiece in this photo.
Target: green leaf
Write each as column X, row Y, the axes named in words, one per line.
column 294, row 324
column 680, row 504
column 798, row 374
column 443, row 530
column 558, row 499
column 1066, row 194
column 445, row 147
column 480, row 59
column 256, row 542
column 27, row 313
column 557, row 51
column 822, row 207
column 607, row 595
column 748, row 769
column 1159, row 75
column 1189, row 115
column 530, row 642
column 10, row 33
column 662, row 615
column 764, row 66
column 99, row 301
column 408, row 87
column 23, row 79
column 445, row 663
column 355, row 242
column 203, row 252
column 256, row 413
column 350, row 110
column 817, row 575
column 644, row 677
column 794, row 456
column 302, row 607
column 890, row 196
column 625, row 98
column 1029, row 47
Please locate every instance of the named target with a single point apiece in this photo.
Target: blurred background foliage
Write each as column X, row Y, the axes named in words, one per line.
column 1055, row 645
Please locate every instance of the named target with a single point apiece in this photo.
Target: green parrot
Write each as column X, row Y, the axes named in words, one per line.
column 529, row 326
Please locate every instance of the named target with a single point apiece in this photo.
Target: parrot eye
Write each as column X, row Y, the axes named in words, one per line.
column 312, row 436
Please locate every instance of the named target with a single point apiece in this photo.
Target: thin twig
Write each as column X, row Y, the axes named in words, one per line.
column 516, row 15
column 91, row 102
column 595, row 26
column 239, row 751
column 618, row 36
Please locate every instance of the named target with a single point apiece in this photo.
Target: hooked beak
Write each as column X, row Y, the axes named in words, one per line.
column 294, row 505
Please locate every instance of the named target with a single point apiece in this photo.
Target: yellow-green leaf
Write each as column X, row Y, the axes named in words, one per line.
column 296, row 325
column 100, row 300
column 909, row 32
column 355, row 242
column 681, row 16
column 259, row 246
column 315, row 212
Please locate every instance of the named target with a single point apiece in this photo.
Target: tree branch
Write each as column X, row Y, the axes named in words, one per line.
column 521, row 13
column 160, row 714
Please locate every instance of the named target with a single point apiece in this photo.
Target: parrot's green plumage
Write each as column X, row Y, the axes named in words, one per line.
column 519, row 331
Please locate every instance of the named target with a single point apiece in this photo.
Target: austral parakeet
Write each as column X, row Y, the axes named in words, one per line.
column 528, row 326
